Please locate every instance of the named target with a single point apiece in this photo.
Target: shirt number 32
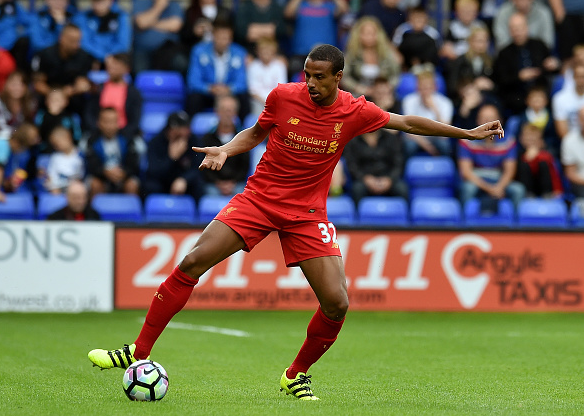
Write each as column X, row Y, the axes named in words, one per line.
column 326, row 231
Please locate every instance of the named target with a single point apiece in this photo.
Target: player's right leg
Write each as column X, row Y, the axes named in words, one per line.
column 217, row 242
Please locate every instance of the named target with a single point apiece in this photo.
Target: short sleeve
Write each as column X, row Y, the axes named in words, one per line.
column 558, row 108
column 568, row 155
column 268, row 116
column 371, row 118
column 464, row 151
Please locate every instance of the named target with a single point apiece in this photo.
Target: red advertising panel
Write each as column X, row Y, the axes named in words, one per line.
column 386, row 270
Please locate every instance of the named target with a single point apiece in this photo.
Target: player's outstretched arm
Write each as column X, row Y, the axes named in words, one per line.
column 243, row 141
column 426, row 127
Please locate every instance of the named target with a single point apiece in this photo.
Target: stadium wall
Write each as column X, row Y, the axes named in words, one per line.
column 73, row 267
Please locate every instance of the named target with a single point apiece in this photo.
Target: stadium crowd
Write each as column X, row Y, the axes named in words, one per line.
column 113, row 94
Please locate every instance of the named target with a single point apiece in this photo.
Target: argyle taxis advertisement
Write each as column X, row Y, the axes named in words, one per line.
column 386, row 270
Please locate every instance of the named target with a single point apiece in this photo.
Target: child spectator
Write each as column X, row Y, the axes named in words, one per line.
column 65, row 163
column 56, row 114
column 112, row 160
column 265, row 73
column 105, row 28
column 538, row 114
column 536, row 169
column 460, row 28
column 417, row 41
column 15, row 173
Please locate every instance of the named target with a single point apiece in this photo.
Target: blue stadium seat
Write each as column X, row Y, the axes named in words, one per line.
column 577, row 213
column 118, row 207
column 341, row 210
column 209, row 207
column 101, row 76
column 381, row 210
column 49, row 203
column 543, row 213
column 170, row 208
column 439, row 212
column 505, row 217
column 408, row 83
column 161, row 107
column 152, row 123
column 19, row 206
column 430, row 176
column 161, row 86
column 203, row 123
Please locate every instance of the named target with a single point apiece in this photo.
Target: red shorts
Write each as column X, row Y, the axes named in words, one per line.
column 303, row 236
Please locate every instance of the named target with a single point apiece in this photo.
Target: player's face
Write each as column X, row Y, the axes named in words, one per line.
column 322, row 84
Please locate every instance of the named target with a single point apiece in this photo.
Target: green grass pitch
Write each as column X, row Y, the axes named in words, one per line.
column 382, row 364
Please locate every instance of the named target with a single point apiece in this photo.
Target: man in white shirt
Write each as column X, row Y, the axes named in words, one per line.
column 573, row 156
column 567, row 102
column 427, row 102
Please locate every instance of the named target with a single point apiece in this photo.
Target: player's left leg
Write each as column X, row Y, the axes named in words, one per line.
column 327, row 278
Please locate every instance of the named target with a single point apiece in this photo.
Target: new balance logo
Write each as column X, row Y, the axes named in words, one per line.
column 293, row 120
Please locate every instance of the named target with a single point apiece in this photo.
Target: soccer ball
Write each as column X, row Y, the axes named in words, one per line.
column 145, row 380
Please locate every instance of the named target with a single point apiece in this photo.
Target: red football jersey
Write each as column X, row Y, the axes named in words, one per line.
column 305, row 143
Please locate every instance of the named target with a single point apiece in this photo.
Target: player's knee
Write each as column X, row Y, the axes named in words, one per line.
column 192, row 265
column 336, row 309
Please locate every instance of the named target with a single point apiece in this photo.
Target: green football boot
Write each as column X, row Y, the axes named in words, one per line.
column 298, row 387
column 121, row 358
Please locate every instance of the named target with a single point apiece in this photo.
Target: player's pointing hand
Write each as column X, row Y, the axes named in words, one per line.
column 488, row 131
column 214, row 157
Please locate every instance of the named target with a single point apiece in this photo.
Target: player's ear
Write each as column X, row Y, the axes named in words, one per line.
column 339, row 75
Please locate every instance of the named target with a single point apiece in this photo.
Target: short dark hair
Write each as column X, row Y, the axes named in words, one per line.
column 123, row 58
column 328, row 53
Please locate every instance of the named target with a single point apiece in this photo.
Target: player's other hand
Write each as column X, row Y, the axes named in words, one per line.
column 214, row 157
column 488, row 130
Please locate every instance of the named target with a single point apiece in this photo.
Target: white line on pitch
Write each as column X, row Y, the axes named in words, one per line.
column 207, row 328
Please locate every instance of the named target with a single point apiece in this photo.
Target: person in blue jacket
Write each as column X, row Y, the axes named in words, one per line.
column 14, row 31
column 47, row 23
column 106, row 29
column 217, row 68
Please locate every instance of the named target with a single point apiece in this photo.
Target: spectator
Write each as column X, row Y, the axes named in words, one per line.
column 198, row 21
column 15, row 174
column 113, row 162
column 417, row 41
column 78, row 207
column 460, row 28
column 427, row 102
column 569, row 17
column 576, row 59
column 65, row 164
column 14, row 31
column 264, row 73
column 537, row 114
column 469, row 101
column 172, row 165
column 567, row 102
column 537, row 170
column 157, row 24
column 17, row 104
column 375, row 163
column 387, row 11
column 47, row 24
column 573, row 157
column 56, row 114
column 522, row 64
column 65, row 65
column 487, row 167
column 315, row 22
column 539, row 19
column 118, row 94
column 475, row 65
column 256, row 19
column 217, row 68
column 369, row 56
column 383, row 95
column 230, row 180
column 105, row 28
column 7, row 66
